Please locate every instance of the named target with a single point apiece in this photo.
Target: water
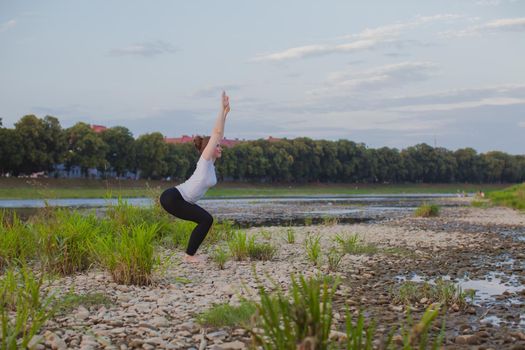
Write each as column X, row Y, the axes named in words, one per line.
column 267, row 211
column 494, row 284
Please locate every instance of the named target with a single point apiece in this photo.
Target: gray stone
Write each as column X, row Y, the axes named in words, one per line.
column 234, row 345
column 36, row 340
column 217, row 335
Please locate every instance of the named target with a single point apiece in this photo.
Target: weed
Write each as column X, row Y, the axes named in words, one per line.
column 334, row 259
column 313, row 248
column 225, row 315
column 290, row 235
column 260, row 251
column 238, row 246
column 24, row 308
column 427, row 210
column 219, row 257
column 352, row 244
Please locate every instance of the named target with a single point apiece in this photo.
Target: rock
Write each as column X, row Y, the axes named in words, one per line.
column 216, row 335
column 82, row 313
column 36, row 340
column 518, row 335
column 423, row 301
column 467, row 339
column 160, row 322
column 234, row 345
column 337, row 336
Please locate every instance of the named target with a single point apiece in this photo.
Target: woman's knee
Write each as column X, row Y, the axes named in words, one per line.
column 207, row 219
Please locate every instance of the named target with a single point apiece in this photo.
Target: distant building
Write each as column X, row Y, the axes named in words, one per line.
column 185, row 139
column 98, row 128
column 273, row 139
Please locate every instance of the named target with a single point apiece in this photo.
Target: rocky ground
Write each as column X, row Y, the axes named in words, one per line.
column 461, row 242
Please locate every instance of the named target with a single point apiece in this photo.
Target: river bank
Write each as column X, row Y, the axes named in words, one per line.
column 477, row 248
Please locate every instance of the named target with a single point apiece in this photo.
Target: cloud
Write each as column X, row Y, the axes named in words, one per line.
column 367, row 39
column 495, row 26
column 392, row 75
column 146, row 49
column 4, row 27
column 521, row 124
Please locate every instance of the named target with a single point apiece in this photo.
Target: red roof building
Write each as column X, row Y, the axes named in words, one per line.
column 98, row 128
column 186, row 139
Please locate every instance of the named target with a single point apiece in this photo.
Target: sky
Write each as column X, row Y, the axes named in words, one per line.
column 449, row 73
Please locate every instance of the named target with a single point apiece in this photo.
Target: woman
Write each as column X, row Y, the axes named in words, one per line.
column 180, row 200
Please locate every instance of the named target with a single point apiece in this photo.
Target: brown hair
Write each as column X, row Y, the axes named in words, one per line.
column 200, row 142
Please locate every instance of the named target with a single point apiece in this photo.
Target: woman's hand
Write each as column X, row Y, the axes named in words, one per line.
column 225, row 103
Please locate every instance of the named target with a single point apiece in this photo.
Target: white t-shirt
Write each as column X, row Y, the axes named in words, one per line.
column 202, row 178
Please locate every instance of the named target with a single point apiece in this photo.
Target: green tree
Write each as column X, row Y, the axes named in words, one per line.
column 85, row 148
column 151, row 155
column 120, row 153
column 181, row 160
column 41, row 143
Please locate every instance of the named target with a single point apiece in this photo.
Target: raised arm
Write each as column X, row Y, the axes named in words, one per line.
column 218, row 130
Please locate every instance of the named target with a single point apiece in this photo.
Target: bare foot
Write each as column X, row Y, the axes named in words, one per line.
column 193, row 259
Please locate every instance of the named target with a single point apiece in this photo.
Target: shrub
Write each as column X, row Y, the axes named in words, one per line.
column 427, row 210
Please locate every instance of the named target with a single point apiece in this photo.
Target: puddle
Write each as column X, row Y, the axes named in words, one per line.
column 486, row 289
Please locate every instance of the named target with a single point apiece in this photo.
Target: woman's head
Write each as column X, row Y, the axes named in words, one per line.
column 201, row 142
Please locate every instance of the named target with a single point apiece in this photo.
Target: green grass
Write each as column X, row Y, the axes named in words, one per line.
column 443, row 292
column 353, row 244
column 313, row 249
column 128, row 256
column 513, row 197
column 14, row 188
column 24, row 308
column 427, row 210
column 260, row 251
column 72, row 300
column 219, row 256
column 225, row 315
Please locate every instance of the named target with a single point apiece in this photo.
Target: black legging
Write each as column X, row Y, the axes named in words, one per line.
column 172, row 201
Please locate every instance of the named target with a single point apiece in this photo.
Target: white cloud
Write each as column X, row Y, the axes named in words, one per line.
column 495, row 101
column 495, row 26
column 392, row 75
column 146, row 49
column 7, row 25
column 365, row 40
column 521, row 124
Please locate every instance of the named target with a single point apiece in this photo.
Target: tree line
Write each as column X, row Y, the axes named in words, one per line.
column 38, row 144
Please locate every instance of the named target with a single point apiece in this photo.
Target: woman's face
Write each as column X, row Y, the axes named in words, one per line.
column 218, row 151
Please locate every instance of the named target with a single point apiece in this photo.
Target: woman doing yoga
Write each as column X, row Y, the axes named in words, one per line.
column 180, row 200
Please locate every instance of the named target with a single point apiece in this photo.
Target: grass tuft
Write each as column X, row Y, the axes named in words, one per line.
column 427, row 210
column 226, row 315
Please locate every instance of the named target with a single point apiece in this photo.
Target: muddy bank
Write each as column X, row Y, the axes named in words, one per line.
column 457, row 245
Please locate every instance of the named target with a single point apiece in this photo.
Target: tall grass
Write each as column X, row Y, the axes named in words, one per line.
column 513, row 197
column 17, row 242
column 129, row 255
column 302, row 319
column 64, row 241
column 292, row 321
column 24, row 308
